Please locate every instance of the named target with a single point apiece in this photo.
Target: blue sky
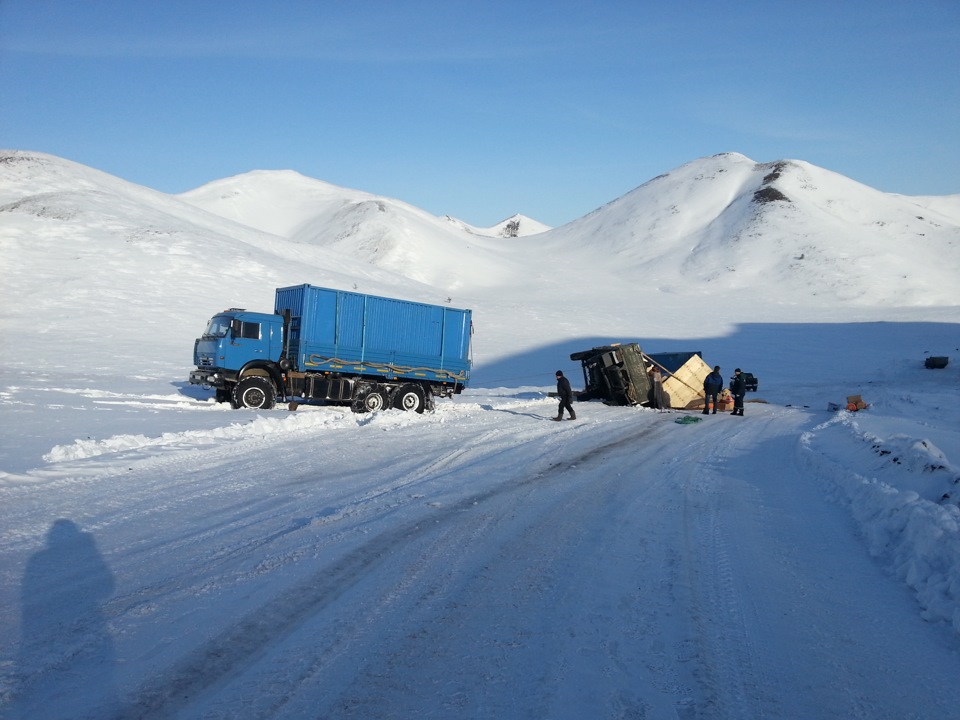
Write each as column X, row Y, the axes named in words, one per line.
column 484, row 109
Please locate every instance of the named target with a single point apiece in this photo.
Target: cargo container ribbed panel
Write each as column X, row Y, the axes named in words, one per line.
column 338, row 331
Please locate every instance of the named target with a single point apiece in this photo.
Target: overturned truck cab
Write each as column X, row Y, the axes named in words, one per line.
column 615, row 374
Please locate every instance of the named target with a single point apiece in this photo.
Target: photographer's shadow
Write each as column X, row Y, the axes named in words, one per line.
column 66, row 662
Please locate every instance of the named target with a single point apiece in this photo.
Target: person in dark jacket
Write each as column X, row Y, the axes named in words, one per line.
column 712, row 386
column 656, row 388
column 565, row 393
column 738, row 388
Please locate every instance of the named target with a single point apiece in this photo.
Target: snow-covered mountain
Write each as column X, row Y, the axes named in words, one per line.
column 718, row 224
column 80, row 246
column 377, row 230
column 762, row 241
column 784, row 231
column 515, row 226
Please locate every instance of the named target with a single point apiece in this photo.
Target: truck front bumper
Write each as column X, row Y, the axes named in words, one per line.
column 207, row 378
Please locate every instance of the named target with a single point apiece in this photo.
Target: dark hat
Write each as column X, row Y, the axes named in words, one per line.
column 559, row 373
column 716, row 367
column 737, row 370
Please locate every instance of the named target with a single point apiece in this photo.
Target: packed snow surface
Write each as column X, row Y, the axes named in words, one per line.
column 162, row 555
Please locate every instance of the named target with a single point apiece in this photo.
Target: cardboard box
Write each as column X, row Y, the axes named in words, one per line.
column 855, row 402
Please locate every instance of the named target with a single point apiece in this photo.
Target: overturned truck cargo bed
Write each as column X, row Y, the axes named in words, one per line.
column 683, row 376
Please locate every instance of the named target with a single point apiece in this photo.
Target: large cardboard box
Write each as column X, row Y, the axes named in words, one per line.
column 683, row 382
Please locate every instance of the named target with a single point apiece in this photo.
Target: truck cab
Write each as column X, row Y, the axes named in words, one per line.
column 234, row 341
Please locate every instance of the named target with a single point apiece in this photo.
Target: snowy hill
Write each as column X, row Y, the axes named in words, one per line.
column 764, row 242
column 515, row 226
column 777, row 231
column 79, row 243
column 163, row 555
column 722, row 224
column 713, row 228
column 381, row 231
column 286, row 203
column 785, row 232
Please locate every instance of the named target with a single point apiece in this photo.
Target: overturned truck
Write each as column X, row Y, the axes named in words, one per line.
column 616, row 374
column 619, row 374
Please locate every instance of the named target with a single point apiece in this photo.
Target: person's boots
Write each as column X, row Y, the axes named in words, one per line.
column 706, row 411
column 558, row 417
column 573, row 415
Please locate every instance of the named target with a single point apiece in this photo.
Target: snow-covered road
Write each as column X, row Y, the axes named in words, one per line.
column 477, row 562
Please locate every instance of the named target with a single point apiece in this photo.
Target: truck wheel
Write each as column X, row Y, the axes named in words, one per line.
column 369, row 400
column 409, row 397
column 255, row 392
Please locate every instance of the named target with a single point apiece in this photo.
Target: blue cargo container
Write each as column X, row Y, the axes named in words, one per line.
column 336, row 346
column 332, row 330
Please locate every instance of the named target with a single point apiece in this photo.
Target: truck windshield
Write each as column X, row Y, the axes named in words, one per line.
column 219, row 326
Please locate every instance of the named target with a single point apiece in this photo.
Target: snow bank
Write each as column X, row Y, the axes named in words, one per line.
column 918, row 537
column 260, row 426
column 308, row 418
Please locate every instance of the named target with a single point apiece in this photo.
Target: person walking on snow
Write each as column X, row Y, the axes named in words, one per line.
column 565, row 393
column 712, row 386
column 738, row 388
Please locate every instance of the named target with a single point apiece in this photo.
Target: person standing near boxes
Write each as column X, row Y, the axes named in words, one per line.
column 738, row 388
column 712, row 386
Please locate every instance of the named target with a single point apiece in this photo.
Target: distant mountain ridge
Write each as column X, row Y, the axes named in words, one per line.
column 514, row 226
column 718, row 225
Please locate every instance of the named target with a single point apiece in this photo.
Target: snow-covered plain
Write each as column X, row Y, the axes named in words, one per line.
column 163, row 556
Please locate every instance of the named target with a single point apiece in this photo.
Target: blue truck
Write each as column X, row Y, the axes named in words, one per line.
column 335, row 346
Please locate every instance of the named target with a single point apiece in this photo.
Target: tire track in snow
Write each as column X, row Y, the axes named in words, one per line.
column 245, row 642
column 242, row 519
column 717, row 653
column 435, row 468
column 506, row 612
